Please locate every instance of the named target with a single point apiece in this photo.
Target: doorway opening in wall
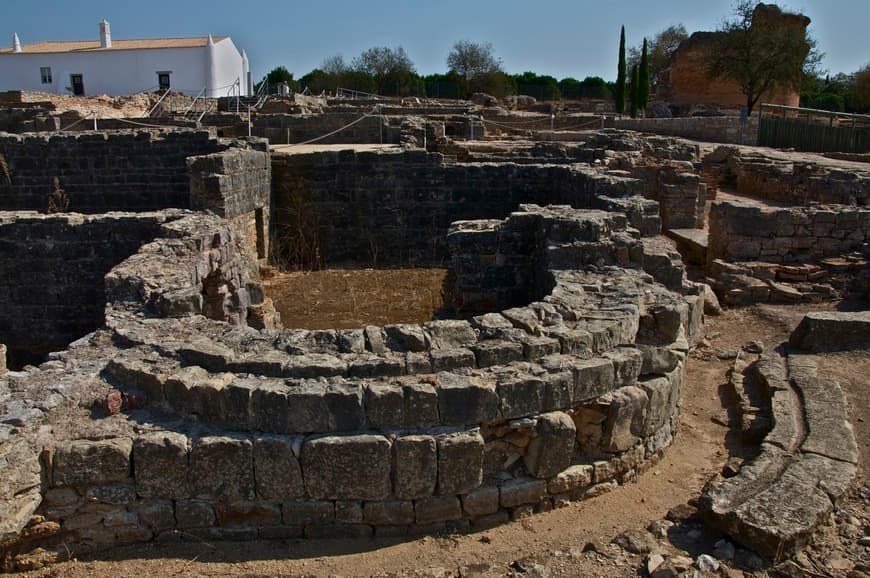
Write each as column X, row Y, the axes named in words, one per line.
column 163, row 80
column 77, row 84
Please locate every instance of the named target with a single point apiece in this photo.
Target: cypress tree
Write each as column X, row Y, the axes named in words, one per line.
column 634, row 90
column 619, row 90
column 643, row 79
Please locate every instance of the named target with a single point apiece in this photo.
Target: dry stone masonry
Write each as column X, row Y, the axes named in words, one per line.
column 236, row 433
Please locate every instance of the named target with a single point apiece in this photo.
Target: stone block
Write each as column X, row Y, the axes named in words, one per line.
column 222, row 467
column 194, row 514
column 451, row 359
column 308, row 410
column 418, row 363
column 245, row 514
column 658, row 392
column 351, row 467
column 592, row 378
column 466, row 400
column 416, row 466
column 558, row 391
column 345, row 405
column 307, row 512
column 114, row 494
column 384, row 406
column 405, row 337
column 522, row 491
column 497, row 352
column 627, row 364
column 348, row 511
column 421, row 404
column 460, row 462
column 572, row 341
column 437, row 509
column 450, row 334
column 178, row 389
column 270, row 411
column 159, row 515
column 536, row 347
column 389, row 513
column 570, row 479
column 626, row 419
column 551, row 450
column 276, row 468
column 481, row 502
column 658, row 360
column 520, row 395
column 85, row 462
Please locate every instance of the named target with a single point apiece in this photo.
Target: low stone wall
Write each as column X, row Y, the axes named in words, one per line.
column 372, row 207
column 786, row 180
column 231, row 433
column 745, row 232
column 721, row 129
column 51, row 275
column 121, row 171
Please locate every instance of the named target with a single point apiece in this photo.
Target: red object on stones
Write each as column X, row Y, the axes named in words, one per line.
column 113, row 402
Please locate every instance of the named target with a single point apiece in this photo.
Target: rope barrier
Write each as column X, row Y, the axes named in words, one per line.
column 338, row 130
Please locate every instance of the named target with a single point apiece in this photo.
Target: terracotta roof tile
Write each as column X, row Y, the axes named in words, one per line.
column 94, row 45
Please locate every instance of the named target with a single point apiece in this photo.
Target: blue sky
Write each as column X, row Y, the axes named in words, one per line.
column 558, row 37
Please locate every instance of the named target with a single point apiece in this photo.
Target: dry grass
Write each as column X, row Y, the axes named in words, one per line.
column 353, row 298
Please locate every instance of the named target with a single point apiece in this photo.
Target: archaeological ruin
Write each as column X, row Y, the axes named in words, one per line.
column 149, row 392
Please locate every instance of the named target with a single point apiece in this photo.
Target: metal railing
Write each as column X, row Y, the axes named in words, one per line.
column 813, row 130
column 159, row 103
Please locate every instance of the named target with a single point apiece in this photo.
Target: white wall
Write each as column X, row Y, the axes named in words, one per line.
column 228, row 68
column 118, row 72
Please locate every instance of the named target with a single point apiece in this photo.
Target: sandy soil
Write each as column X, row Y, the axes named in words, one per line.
column 354, row 298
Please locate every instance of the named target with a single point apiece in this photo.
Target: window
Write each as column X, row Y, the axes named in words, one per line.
column 163, row 80
column 45, row 74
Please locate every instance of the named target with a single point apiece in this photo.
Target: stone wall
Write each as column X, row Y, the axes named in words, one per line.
column 292, row 129
column 122, row 171
column 372, row 208
column 788, row 180
column 236, row 184
column 230, row 433
column 743, row 232
column 51, row 275
column 396, row 127
column 721, row 129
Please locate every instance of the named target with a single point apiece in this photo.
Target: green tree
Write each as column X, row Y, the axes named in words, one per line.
column 475, row 64
column 634, row 90
column 858, row 97
column 276, row 76
column 390, row 68
column 660, row 49
column 759, row 50
column 643, row 79
column 619, row 92
column 542, row 87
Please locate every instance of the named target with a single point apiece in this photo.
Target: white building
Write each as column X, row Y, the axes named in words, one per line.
column 104, row 66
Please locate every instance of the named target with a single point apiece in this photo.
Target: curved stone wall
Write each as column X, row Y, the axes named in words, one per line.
column 221, row 431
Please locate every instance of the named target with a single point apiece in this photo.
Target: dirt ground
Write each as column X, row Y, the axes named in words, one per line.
column 572, row 541
column 354, row 298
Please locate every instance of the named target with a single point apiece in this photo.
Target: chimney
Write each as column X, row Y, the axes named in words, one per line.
column 16, row 44
column 105, row 35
